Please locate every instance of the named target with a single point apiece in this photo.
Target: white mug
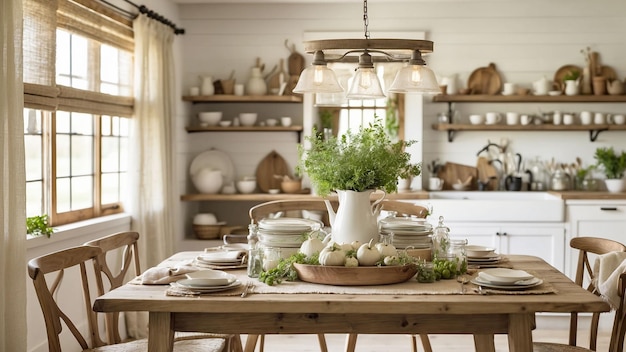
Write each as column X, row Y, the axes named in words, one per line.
column 568, row 119
column 585, row 117
column 476, row 119
column 526, row 119
column 599, row 118
column 194, row 91
column 285, row 121
column 557, row 118
column 619, row 119
column 493, row 118
column 239, row 89
column 435, row 184
column 509, row 89
column 512, row 118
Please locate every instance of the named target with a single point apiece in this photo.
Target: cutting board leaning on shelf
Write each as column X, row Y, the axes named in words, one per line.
column 451, row 173
column 272, row 164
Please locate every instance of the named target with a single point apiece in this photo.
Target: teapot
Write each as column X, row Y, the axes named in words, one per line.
column 541, row 86
column 614, row 87
column 208, row 180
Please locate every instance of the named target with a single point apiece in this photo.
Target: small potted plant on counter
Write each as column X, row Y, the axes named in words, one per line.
column 613, row 165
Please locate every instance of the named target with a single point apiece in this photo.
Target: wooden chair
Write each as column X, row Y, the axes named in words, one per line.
column 58, row 303
column 616, row 344
column 113, row 265
column 401, row 209
column 584, row 271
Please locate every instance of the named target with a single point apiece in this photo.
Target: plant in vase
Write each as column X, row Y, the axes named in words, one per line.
column 613, row 166
column 355, row 165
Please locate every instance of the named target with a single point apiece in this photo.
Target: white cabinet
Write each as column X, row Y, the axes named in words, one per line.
column 593, row 218
column 544, row 240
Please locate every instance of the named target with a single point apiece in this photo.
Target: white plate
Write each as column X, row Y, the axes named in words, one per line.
column 186, row 284
column 222, row 257
column 214, row 159
column 404, row 223
column 485, row 259
column 479, row 251
column 290, row 225
column 519, row 285
column 208, row 278
column 504, row 276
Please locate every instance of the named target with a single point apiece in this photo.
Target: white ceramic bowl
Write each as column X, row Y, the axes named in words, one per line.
column 246, row 186
column 247, row 118
column 212, row 118
column 479, row 251
column 225, row 123
column 210, row 278
column 205, row 219
column 271, row 122
column 459, row 186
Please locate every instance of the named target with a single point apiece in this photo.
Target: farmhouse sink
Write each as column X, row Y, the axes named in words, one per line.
column 496, row 206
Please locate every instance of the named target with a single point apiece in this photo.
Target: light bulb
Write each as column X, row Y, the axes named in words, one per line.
column 318, row 74
column 365, row 80
column 416, row 75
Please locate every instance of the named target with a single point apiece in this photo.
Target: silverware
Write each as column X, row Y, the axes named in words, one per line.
column 462, row 279
column 247, row 289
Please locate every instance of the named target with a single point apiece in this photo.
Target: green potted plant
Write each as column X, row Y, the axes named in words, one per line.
column 613, row 165
column 38, row 226
column 355, row 165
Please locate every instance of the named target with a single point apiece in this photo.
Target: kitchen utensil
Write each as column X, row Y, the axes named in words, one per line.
column 278, row 77
column 451, row 172
column 485, row 80
column 295, row 61
column 272, row 164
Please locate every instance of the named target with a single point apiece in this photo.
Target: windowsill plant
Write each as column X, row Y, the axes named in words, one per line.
column 38, row 226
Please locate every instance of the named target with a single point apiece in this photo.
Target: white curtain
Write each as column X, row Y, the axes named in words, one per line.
column 151, row 160
column 13, row 184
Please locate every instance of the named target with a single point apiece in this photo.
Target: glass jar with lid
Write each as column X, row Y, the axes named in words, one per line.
column 441, row 239
column 456, row 252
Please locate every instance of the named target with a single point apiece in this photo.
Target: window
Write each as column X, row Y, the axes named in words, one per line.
column 77, row 108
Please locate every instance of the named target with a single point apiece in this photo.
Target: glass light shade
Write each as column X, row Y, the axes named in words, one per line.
column 365, row 85
column 415, row 79
column 318, row 79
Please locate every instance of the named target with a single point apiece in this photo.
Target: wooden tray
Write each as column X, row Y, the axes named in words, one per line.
column 354, row 276
column 485, row 80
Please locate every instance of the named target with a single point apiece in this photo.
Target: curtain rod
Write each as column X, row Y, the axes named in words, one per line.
column 156, row 16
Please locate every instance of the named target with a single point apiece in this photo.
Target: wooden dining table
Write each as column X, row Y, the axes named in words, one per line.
column 482, row 315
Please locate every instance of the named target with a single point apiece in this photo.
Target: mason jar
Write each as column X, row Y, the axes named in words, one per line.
column 456, row 252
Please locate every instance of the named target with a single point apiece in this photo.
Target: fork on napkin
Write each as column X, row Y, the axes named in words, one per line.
column 161, row 275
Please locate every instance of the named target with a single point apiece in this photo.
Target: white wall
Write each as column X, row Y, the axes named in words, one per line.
column 525, row 39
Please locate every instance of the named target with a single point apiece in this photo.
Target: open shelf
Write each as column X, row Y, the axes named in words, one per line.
column 224, row 98
column 483, row 98
column 594, row 130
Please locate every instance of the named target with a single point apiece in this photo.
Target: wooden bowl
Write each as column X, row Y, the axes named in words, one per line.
column 354, row 276
column 207, row 232
column 291, row 186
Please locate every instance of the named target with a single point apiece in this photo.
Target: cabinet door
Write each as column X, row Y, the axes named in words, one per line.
column 544, row 241
column 478, row 234
column 597, row 220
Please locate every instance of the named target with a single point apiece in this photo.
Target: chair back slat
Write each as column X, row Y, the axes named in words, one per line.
column 56, row 264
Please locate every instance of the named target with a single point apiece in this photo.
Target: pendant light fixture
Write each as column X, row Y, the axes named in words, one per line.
column 414, row 78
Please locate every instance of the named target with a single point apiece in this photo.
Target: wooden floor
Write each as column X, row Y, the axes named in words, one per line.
column 401, row 343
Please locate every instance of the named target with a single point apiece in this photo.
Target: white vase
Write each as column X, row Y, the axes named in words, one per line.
column 207, row 87
column 615, row 185
column 256, row 84
column 356, row 218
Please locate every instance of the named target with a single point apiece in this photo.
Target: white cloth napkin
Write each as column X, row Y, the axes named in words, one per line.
column 164, row 275
column 608, row 268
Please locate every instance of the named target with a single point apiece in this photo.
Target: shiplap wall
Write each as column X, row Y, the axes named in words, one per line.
column 525, row 39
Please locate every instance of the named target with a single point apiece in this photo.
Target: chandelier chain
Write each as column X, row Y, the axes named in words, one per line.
column 365, row 20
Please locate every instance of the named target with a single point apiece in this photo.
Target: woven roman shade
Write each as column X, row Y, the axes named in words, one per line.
column 78, row 100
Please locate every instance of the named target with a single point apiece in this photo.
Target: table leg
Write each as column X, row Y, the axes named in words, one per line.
column 160, row 332
column 484, row 342
column 520, row 332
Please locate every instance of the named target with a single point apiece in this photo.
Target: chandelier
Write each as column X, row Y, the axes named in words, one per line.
column 415, row 77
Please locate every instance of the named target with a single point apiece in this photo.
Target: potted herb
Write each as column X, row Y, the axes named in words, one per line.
column 38, row 226
column 354, row 165
column 613, row 165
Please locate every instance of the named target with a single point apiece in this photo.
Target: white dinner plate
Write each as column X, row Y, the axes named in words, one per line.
column 214, row 159
column 484, row 260
column 227, row 257
column 290, row 225
column 210, row 278
column 189, row 285
column 519, row 285
column 504, row 276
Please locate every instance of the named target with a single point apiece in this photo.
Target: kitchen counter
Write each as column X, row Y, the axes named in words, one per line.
column 582, row 195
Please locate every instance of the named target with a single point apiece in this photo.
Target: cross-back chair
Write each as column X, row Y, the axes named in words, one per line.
column 120, row 255
column 58, row 303
column 584, row 271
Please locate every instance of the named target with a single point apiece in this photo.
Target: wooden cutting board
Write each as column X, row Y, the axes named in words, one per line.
column 485, row 171
column 272, row 164
column 485, row 80
column 452, row 172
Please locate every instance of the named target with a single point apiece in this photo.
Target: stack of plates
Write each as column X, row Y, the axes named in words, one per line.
column 507, row 279
column 407, row 232
column 222, row 259
column 482, row 256
column 285, row 232
column 205, row 281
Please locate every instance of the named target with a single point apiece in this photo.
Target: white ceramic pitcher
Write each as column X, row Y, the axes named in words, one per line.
column 356, row 219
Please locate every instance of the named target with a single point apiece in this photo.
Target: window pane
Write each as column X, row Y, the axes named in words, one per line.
column 105, row 125
column 62, row 121
column 33, row 157
column 110, row 188
column 82, row 124
column 32, row 121
column 63, row 155
column 82, row 192
column 110, row 154
column 63, row 63
column 82, row 155
column 124, row 151
column 109, row 71
column 123, row 126
column 63, row 195
column 80, row 62
column 34, row 198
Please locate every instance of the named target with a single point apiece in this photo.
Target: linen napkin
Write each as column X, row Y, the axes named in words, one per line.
column 164, row 275
column 608, row 268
